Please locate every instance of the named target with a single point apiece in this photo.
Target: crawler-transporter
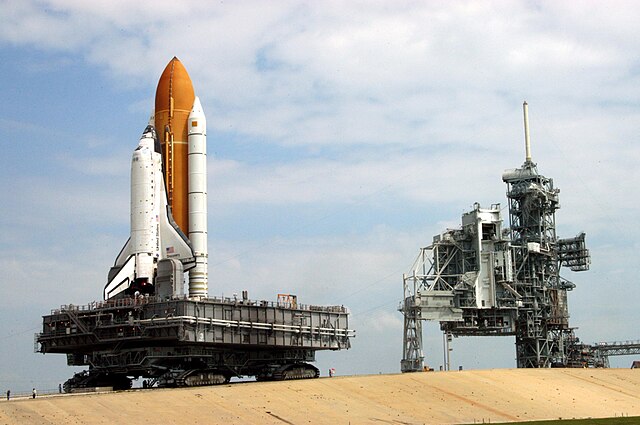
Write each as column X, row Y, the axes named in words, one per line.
column 174, row 341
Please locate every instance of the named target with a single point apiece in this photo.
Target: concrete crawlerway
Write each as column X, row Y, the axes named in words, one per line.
column 415, row 398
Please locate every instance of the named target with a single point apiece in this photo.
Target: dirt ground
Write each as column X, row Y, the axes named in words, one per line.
column 456, row 397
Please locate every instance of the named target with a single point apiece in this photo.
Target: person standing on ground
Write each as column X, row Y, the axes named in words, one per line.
column 33, row 393
column 8, row 394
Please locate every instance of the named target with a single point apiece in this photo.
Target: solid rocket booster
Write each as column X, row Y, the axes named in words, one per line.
column 181, row 125
column 154, row 234
column 197, row 163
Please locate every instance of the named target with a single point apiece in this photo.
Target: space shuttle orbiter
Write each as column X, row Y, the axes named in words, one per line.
column 154, row 234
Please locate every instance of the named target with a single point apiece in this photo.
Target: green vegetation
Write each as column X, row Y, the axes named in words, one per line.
column 606, row 421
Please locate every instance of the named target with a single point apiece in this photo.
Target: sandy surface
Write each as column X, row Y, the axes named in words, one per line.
column 418, row 398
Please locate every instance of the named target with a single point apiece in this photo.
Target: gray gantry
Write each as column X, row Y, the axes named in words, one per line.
column 482, row 279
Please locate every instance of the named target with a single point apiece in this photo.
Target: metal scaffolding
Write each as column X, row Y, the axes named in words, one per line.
column 464, row 280
column 481, row 280
column 542, row 316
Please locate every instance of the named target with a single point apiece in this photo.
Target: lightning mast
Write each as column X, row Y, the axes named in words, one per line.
column 542, row 327
column 533, row 201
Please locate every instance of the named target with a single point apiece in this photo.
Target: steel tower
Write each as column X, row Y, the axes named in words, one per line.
column 483, row 280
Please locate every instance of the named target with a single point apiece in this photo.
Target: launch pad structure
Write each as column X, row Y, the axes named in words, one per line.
column 483, row 280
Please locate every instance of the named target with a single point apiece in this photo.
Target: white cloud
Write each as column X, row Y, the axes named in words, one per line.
column 388, row 321
column 340, row 73
column 380, row 107
column 405, row 177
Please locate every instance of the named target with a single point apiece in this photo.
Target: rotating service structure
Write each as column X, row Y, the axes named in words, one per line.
column 148, row 326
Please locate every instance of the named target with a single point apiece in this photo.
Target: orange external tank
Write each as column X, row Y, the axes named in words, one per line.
column 174, row 100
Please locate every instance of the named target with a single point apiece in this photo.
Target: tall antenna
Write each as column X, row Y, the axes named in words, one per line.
column 527, row 142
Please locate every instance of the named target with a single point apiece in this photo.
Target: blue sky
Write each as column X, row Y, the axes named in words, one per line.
column 341, row 137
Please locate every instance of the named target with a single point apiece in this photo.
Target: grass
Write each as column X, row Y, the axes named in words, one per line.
column 606, row 421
